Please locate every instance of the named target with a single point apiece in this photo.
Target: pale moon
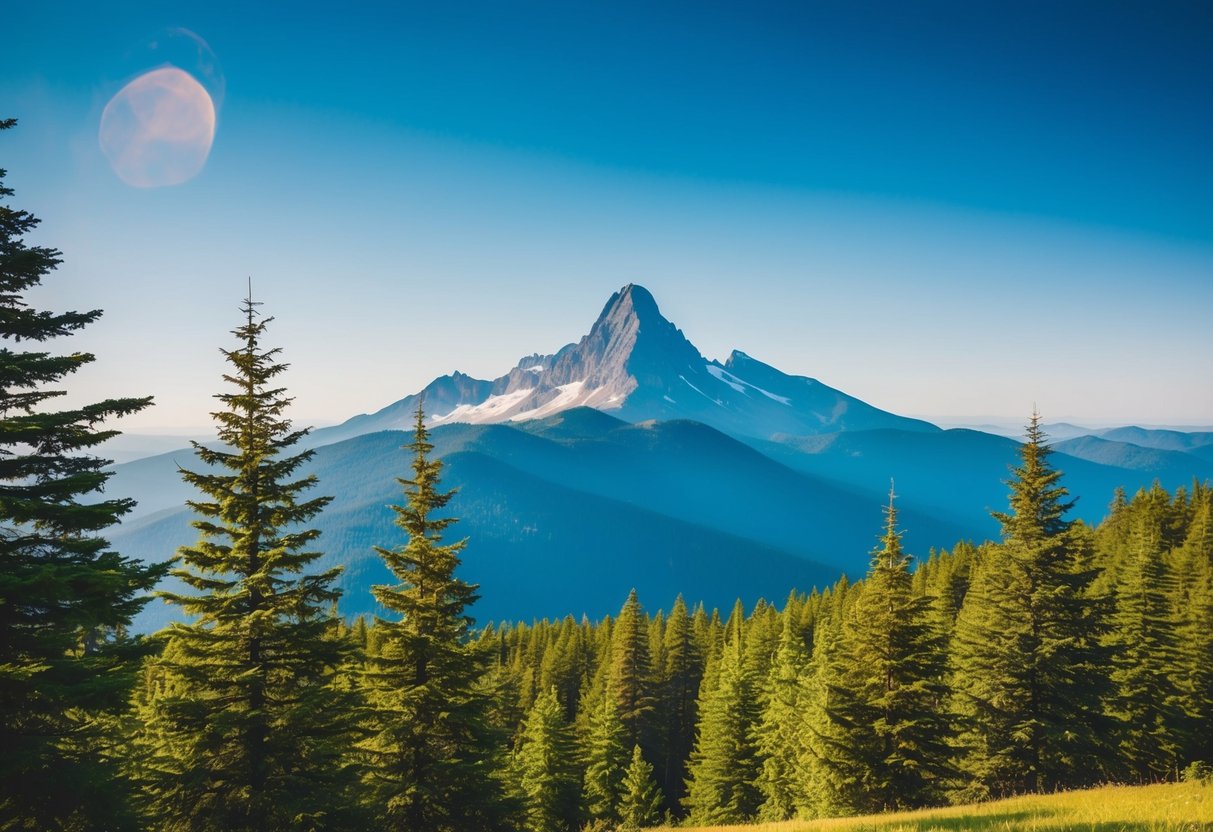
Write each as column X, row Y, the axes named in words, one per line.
column 158, row 129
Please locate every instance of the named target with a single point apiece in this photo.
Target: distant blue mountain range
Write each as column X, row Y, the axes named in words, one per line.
column 628, row 460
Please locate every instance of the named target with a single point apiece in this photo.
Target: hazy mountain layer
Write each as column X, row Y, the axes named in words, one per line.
column 569, row 512
column 561, row 523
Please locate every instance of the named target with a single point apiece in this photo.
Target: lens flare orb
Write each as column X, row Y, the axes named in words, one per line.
column 158, row 129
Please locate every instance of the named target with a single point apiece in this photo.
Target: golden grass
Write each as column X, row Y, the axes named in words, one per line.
column 1168, row 807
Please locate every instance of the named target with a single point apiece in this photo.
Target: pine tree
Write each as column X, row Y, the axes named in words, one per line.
column 546, row 777
column 1146, row 700
column 563, row 664
column 679, row 687
column 779, row 738
column 606, row 756
column 631, row 669
column 244, row 729
column 640, row 806
column 763, row 631
column 1029, row 674
column 723, row 767
column 65, row 597
column 832, row 767
column 894, row 688
column 1194, row 629
column 433, row 751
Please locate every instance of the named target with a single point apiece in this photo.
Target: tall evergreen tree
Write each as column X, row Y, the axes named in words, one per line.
column 244, row 729
column 546, row 775
column 779, row 738
column 832, row 762
column 1145, row 673
column 640, row 805
column 680, row 680
column 66, row 598
column 894, row 684
column 1029, row 674
column 433, row 752
column 1194, row 628
column 723, row 767
column 606, row 758
column 631, row 669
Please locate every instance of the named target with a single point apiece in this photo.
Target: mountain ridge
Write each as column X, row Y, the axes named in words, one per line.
column 637, row 365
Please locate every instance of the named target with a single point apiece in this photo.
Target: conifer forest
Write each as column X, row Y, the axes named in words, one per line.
column 1059, row 656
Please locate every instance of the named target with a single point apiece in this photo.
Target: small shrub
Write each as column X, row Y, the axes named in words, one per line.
column 1198, row 772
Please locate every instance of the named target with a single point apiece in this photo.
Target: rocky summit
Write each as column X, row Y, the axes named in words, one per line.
column 637, row 365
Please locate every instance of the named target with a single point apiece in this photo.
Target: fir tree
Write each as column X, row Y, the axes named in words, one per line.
column 562, row 666
column 723, row 767
column 433, row 752
column 244, row 729
column 546, row 777
column 1146, row 700
column 1029, row 674
column 640, row 806
column 679, row 688
column 832, row 769
column 763, row 630
column 631, row 669
column 894, row 696
column 1194, row 629
column 66, row 598
column 606, row 756
column 779, row 738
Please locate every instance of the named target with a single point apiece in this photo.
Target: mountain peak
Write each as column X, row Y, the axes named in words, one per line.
column 637, row 365
column 632, row 301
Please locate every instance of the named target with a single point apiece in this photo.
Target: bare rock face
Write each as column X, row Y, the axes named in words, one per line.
column 637, row 366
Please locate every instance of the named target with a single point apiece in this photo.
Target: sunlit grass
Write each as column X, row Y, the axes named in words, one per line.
column 1170, row 807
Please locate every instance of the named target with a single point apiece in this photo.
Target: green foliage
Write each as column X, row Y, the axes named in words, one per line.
column 680, row 679
column 779, row 735
column 894, row 691
column 641, row 802
column 1198, row 772
column 631, row 669
column 241, row 725
column 1194, row 627
column 723, row 766
column 606, row 756
column 66, row 599
column 1029, row 674
column 1146, row 698
column 831, row 767
column 547, row 778
column 433, row 751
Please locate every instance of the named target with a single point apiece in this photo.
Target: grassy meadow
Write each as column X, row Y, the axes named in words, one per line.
column 1168, row 807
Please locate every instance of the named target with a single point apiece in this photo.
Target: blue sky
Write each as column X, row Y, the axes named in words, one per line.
column 951, row 210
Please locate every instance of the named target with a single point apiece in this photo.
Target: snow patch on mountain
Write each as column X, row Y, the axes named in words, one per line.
column 726, row 377
column 740, row 385
column 492, row 409
column 567, row 396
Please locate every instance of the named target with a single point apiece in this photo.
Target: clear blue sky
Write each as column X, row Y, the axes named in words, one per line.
column 951, row 210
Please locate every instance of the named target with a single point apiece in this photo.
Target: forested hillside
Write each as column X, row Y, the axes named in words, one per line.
column 1062, row 656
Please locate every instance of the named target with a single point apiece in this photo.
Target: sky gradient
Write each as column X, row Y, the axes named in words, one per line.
column 953, row 211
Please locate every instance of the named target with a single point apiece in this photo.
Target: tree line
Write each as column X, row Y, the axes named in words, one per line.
column 1060, row 656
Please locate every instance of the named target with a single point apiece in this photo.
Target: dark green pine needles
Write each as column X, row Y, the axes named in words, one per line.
column 891, row 696
column 1029, row 673
column 242, row 726
column 433, row 752
column 66, row 599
